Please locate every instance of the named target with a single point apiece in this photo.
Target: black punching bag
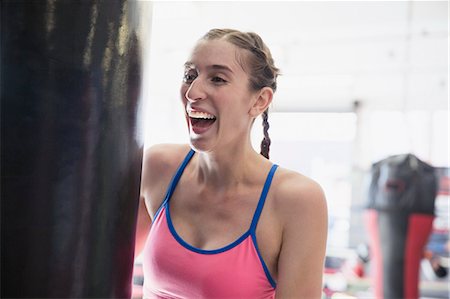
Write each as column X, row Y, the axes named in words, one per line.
column 71, row 153
column 399, row 220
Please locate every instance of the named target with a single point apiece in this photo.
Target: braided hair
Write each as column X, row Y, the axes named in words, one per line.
column 258, row 63
column 265, row 143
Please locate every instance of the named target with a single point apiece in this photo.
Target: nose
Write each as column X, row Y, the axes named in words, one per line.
column 195, row 91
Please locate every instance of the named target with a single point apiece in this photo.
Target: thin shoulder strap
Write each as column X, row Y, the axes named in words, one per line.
column 175, row 179
column 262, row 198
column 178, row 174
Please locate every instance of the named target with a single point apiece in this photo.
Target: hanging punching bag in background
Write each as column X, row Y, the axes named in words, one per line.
column 70, row 149
column 399, row 220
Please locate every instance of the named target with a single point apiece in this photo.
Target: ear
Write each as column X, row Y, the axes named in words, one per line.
column 263, row 100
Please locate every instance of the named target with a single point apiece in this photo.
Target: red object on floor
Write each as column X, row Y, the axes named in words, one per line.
column 358, row 269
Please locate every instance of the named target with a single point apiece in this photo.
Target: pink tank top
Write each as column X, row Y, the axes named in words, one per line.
column 175, row 269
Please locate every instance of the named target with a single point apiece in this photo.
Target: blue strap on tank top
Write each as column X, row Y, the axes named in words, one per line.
column 175, row 179
column 262, row 198
column 255, row 219
column 261, row 201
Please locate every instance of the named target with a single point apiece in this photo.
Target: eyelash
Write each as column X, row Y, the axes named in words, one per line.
column 188, row 78
column 218, row 80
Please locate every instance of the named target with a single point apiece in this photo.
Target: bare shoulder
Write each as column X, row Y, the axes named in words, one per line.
column 300, row 206
column 297, row 195
column 159, row 165
column 162, row 157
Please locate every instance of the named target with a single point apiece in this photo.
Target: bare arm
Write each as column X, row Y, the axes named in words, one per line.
column 159, row 163
column 302, row 255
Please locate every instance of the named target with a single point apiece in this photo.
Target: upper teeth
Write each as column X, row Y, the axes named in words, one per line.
column 198, row 114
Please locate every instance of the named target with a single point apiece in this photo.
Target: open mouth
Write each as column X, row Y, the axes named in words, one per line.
column 201, row 121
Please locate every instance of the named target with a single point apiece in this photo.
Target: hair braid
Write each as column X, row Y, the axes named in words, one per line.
column 265, row 143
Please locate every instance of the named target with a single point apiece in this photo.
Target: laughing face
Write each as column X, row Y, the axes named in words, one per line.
column 216, row 96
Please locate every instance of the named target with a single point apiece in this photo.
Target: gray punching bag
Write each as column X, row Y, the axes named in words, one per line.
column 399, row 220
column 70, row 149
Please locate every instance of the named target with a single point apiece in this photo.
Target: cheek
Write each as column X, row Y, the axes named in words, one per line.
column 183, row 91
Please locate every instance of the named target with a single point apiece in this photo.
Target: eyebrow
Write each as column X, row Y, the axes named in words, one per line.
column 189, row 64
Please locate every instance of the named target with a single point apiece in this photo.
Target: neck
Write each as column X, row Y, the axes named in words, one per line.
column 228, row 169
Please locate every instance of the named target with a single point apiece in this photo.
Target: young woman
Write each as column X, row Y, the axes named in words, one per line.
column 217, row 219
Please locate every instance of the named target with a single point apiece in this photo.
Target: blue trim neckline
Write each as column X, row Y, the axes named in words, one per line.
column 250, row 232
column 199, row 250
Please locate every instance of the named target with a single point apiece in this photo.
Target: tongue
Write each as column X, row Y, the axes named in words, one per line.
column 202, row 123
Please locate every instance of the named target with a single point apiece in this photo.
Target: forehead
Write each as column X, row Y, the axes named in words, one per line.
column 216, row 52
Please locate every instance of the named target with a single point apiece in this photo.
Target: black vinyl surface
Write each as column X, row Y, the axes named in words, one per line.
column 393, row 227
column 70, row 157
